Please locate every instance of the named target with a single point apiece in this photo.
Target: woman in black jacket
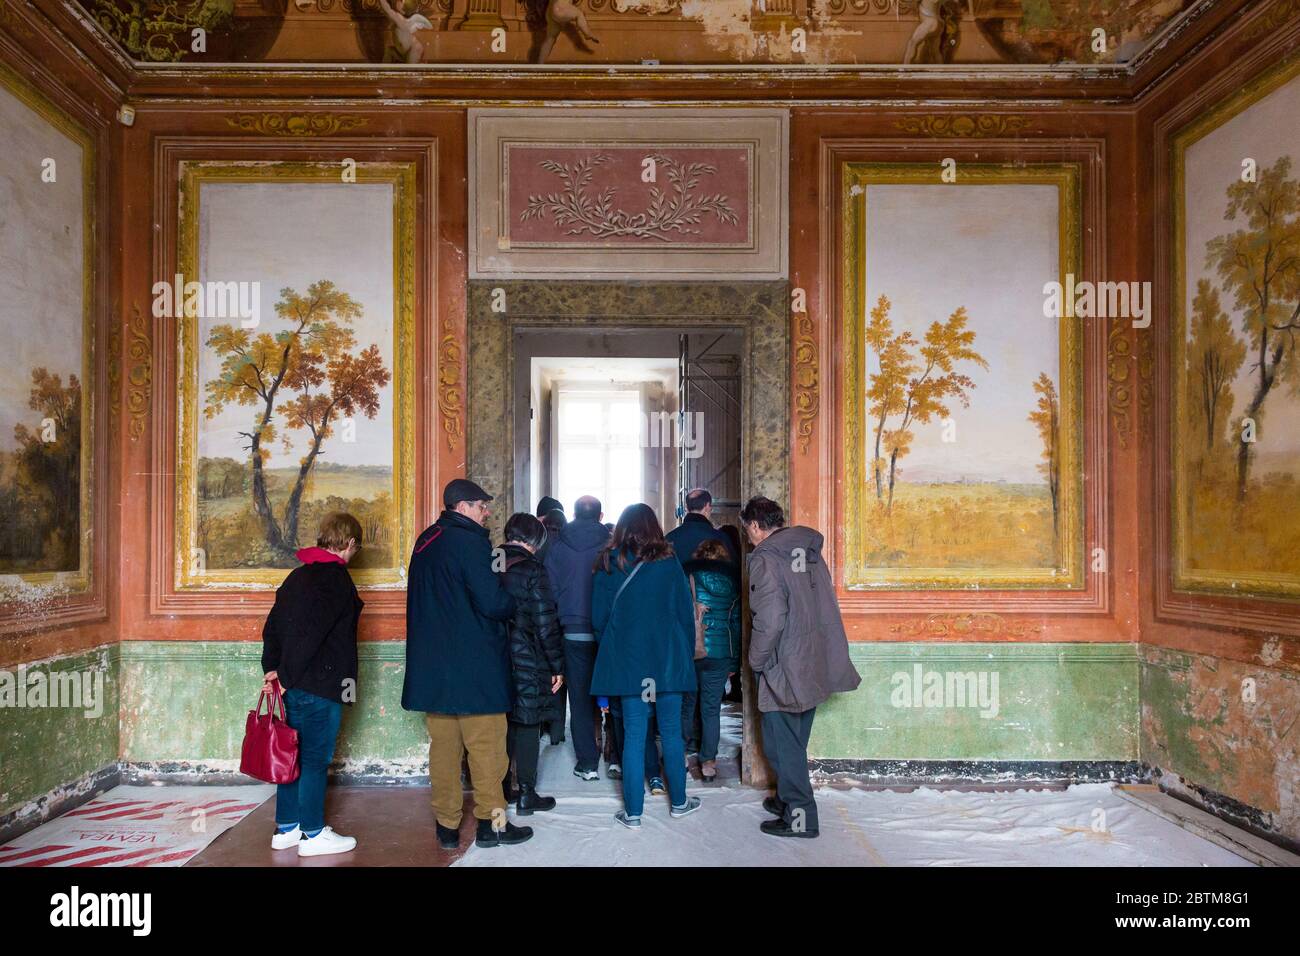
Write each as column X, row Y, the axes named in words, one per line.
column 309, row 647
column 536, row 656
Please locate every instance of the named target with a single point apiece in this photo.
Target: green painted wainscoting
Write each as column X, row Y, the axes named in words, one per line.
column 184, row 704
column 1054, row 702
column 55, row 752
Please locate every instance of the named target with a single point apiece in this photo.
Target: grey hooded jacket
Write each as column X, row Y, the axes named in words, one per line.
column 798, row 648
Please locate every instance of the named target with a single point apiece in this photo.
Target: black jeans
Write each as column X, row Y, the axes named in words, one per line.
column 785, row 744
column 579, row 662
column 522, row 743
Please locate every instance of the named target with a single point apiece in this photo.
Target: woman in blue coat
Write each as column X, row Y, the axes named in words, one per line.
column 644, row 623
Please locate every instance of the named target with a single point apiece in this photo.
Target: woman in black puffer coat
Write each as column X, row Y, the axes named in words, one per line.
column 536, row 656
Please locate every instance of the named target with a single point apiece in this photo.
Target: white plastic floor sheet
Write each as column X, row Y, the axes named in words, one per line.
column 1086, row 825
column 136, row 826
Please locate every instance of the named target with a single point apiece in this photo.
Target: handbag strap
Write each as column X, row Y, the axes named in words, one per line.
column 275, row 698
column 619, row 593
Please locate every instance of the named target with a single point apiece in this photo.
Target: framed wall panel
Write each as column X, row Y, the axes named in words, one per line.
column 962, row 401
column 50, row 433
column 304, row 403
column 1235, row 376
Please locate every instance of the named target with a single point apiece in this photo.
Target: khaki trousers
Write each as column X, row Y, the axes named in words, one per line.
column 484, row 737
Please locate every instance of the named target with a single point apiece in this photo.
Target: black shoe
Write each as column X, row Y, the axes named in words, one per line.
column 774, row 806
column 510, row 795
column 530, row 801
column 448, row 838
column 488, row 837
column 782, row 829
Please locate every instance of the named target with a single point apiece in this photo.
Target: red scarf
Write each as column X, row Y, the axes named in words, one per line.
column 318, row 556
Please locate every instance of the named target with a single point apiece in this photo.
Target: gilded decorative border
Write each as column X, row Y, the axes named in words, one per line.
column 14, row 23
column 139, row 379
column 975, row 625
column 1119, row 386
column 79, row 581
column 402, row 178
column 1269, row 22
column 295, row 124
column 967, row 126
column 807, row 399
column 857, row 574
column 451, row 394
column 1184, row 577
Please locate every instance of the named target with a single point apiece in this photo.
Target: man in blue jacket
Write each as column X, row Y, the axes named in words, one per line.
column 569, row 561
column 697, row 526
column 458, row 664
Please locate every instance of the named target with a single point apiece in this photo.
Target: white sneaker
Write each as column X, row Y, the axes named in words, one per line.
column 325, row 843
column 287, row 840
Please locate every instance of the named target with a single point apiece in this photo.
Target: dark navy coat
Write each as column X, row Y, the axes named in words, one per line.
column 569, row 559
column 694, row 529
column 457, row 658
column 650, row 634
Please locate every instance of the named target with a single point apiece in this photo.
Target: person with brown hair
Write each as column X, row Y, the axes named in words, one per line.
column 644, row 624
column 309, row 647
column 715, row 584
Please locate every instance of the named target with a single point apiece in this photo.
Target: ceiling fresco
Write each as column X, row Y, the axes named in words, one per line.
column 655, row 32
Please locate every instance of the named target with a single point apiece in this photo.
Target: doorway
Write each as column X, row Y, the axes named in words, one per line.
column 564, row 314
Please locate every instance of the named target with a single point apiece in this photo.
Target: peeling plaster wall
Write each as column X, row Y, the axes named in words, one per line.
column 1236, row 747
column 49, row 754
column 1055, row 702
column 184, row 704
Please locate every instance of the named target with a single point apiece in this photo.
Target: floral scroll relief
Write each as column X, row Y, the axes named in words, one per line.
column 673, row 212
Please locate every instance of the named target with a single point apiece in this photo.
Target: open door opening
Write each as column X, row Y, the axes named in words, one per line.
column 637, row 416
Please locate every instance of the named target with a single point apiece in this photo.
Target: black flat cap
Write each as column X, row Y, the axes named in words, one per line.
column 462, row 489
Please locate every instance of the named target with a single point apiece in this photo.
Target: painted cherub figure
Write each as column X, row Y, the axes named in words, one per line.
column 560, row 15
column 404, row 46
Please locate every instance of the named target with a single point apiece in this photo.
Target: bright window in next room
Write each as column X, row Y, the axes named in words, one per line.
column 599, row 448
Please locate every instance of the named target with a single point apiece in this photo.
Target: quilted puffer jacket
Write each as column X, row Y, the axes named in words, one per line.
column 536, row 641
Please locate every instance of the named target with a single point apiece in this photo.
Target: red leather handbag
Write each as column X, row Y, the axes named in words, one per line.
column 270, row 749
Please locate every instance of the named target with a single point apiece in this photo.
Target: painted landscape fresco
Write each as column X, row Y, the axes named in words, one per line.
column 297, row 415
column 1238, row 371
column 44, row 406
column 964, row 428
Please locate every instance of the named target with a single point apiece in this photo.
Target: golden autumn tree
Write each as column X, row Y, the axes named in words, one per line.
column 1047, row 418
column 887, row 392
column 1260, row 266
column 310, row 356
column 1214, row 356
column 913, row 388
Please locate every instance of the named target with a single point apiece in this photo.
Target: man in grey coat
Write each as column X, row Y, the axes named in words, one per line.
column 798, row 651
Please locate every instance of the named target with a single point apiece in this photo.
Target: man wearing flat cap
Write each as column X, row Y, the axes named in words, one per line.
column 458, row 664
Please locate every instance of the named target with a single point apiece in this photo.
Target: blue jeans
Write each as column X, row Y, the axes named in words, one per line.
column 636, row 718
column 317, row 722
column 616, row 729
column 712, row 676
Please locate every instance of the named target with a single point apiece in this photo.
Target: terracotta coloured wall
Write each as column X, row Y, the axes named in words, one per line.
column 1240, row 756
column 1090, row 693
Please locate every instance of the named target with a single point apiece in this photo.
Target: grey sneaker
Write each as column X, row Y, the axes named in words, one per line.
column 657, row 786
column 585, row 774
column 692, row 804
column 632, row 823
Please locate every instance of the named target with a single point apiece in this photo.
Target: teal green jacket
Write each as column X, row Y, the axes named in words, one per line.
column 717, row 587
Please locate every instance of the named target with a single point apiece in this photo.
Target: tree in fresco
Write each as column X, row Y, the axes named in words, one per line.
column 1259, row 265
column 301, row 378
column 1214, row 357
column 1046, row 417
column 914, row 383
column 42, row 500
